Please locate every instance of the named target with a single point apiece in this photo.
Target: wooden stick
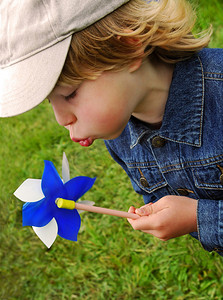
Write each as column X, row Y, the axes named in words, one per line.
column 69, row 204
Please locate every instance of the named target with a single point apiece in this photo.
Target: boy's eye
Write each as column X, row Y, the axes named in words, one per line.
column 71, row 96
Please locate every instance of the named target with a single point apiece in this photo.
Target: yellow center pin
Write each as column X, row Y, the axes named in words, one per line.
column 63, row 203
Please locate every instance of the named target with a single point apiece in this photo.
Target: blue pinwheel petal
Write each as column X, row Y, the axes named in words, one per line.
column 69, row 223
column 52, row 184
column 36, row 213
column 78, row 186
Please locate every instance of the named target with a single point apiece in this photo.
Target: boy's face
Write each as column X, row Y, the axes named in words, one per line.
column 96, row 109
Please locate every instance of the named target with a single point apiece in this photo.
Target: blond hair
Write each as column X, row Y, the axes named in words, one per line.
column 163, row 28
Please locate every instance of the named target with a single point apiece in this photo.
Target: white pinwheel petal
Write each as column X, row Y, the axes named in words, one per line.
column 47, row 233
column 30, row 190
column 65, row 169
column 86, row 202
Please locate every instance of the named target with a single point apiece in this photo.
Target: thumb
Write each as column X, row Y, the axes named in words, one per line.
column 145, row 210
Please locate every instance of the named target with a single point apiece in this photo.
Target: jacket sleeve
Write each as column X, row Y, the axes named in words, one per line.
column 210, row 224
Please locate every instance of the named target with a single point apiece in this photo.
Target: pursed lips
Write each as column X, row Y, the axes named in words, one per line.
column 85, row 142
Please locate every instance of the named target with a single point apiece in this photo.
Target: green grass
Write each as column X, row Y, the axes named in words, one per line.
column 210, row 12
column 110, row 260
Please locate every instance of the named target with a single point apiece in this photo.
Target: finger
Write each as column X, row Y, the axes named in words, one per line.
column 132, row 211
column 145, row 210
column 144, row 223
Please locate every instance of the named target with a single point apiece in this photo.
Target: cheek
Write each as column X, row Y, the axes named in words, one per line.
column 102, row 119
column 112, row 122
column 105, row 111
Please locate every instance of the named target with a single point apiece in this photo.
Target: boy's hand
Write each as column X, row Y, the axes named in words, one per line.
column 170, row 217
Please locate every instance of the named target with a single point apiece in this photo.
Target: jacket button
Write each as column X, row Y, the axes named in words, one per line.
column 183, row 192
column 143, row 182
column 142, row 179
column 221, row 179
column 158, row 142
column 221, row 176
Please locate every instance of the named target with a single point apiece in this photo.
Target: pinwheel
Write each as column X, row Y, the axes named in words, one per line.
column 40, row 210
column 51, row 206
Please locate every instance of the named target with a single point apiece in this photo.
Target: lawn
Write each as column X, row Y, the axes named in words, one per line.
column 110, row 260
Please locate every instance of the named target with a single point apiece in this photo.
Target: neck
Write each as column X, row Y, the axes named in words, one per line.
column 155, row 78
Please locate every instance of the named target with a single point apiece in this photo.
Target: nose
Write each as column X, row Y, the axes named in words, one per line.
column 63, row 114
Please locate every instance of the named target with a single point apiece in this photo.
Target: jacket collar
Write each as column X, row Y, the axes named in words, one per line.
column 183, row 117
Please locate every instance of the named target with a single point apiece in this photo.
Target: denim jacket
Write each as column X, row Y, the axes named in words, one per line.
column 185, row 156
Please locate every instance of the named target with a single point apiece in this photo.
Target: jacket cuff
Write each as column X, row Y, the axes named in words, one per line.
column 210, row 224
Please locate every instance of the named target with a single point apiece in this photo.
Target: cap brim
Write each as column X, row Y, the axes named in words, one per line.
column 26, row 84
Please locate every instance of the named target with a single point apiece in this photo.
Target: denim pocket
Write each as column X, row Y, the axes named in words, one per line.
column 210, row 179
column 147, row 176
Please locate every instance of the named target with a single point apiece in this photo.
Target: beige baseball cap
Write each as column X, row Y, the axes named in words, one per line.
column 35, row 36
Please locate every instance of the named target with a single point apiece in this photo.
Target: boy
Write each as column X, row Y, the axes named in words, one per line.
column 134, row 77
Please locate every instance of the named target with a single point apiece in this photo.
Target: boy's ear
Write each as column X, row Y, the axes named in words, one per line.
column 128, row 39
column 135, row 65
column 133, row 41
